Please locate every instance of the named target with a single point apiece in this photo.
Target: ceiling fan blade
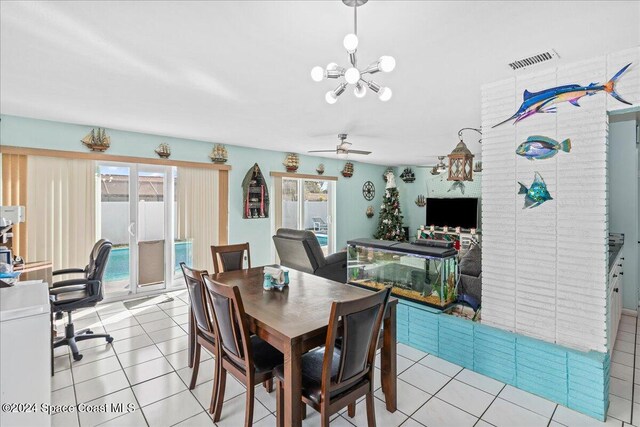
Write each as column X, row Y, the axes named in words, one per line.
column 321, row 151
column 359, row 152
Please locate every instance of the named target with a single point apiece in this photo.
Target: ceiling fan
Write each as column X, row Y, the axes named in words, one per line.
column 342, row 148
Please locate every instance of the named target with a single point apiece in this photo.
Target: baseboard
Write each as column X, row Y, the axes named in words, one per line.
column 629, row 312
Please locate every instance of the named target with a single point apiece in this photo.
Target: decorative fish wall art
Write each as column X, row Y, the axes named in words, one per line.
column 538, row 147
column 457, row 185
column 541, row 102
column 536, row 194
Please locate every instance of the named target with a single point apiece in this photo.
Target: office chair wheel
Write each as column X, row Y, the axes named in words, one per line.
column 77, row 356
column 110, row 340
column 59, row 315
column 90, row 332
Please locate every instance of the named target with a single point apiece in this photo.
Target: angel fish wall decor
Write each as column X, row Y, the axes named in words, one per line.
column 543, row 101
column 536, row 194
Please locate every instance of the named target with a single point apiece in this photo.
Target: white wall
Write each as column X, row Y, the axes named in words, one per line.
column 545, row 269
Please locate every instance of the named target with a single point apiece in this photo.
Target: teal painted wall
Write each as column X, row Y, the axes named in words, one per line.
column 578, row 380
column 623, row 202
column 429, row 186
column 351, row 221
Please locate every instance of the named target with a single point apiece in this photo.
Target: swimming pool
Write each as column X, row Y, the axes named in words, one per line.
column 322, row 239
column 118, row 265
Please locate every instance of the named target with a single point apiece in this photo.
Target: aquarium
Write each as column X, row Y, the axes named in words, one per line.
column 426, row 275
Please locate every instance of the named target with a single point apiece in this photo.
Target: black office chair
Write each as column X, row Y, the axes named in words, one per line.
column 73, row 294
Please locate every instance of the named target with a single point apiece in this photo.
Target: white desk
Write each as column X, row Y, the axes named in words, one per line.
column 25, row 351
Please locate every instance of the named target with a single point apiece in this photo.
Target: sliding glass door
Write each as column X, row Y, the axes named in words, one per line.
column 307, row 204
column 137, row 210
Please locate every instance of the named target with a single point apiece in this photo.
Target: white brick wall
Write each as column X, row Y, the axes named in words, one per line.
column 545, row 269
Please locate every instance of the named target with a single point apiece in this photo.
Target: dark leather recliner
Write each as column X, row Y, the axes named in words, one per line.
column 73, row 294
column 300, row 250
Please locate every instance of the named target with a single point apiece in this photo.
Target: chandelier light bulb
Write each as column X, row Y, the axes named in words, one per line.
column 317, row 74
column 350, row 42
column 352, row 75
column 387, row 63
column 384, row 94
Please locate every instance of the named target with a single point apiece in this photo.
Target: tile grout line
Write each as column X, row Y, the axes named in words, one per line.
column 127, row 378
column 489, row 406
column 633, row 373
column 187, row 385
column 130, row 388
column 150, row 379
column 552, row 414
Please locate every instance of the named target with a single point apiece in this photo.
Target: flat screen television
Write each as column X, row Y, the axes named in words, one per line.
column 453, row 212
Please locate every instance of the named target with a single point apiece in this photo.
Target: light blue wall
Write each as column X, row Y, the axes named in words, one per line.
column 429, row 186
column 623, row 202
column 351, row 221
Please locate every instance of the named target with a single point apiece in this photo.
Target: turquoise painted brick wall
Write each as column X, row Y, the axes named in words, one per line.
column 578, row 380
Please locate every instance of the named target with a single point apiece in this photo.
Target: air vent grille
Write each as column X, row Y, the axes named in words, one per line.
column 533, row 60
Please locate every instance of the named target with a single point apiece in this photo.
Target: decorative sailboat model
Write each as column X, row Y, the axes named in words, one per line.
column 163, row 150
column 408, row 175
column 292, row 162
column 219, row 154
column 347, row 172
column 97, row 141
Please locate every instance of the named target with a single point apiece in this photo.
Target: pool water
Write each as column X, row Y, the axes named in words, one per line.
column 118, row 264
column 322, row 239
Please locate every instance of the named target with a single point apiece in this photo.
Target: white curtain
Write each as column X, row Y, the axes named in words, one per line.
column 197, row 210
column 61, row 215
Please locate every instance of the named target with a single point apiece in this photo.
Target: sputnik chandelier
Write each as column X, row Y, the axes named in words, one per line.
column 352, row 75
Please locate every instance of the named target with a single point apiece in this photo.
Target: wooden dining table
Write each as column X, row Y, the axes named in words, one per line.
column 295, row 320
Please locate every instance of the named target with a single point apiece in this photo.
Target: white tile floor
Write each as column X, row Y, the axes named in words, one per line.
column 147, row 368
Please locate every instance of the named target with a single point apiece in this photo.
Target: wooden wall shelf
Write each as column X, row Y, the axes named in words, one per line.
column 255, row 194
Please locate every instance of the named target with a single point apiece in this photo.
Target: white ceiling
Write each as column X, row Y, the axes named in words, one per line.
column 238, row 72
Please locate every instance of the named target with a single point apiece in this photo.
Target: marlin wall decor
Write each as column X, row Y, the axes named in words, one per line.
column 543, row 101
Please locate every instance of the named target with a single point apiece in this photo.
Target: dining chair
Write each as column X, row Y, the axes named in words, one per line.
column 333, row 378
column 202, row 327
column 247, row 357
column 230, row 257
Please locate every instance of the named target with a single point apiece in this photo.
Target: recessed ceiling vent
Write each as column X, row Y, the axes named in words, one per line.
column 533, row 60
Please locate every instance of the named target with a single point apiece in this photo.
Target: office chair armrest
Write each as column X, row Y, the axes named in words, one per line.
column 75, row 282
column 68, row 271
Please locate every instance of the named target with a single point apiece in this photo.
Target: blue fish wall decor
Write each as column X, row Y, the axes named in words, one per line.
column 457, row 185
column 541, row 102
column 538, row 147
column 536, row 194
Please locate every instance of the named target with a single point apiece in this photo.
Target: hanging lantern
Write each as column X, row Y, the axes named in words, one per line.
column 460, row 163
column 461, row 160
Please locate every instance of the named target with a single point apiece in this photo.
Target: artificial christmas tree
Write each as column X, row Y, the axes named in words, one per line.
column 390, row 225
